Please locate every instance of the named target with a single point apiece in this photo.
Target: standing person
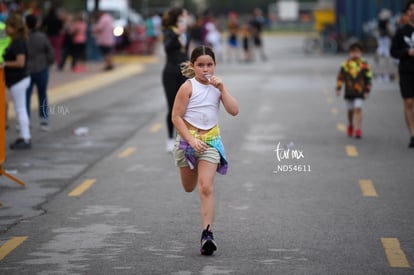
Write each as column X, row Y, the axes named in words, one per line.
column 233, row 40
column 257, row 24
column 199, row 151
column 355, row 74
column 4, row 12
column 78, row 32
column 67, row 41
column 53, row 25
column 33, row 8
column 196, row 32
column 213, row 39
column 103, row 33
column 4, row 43
column 16, row 76
column 152, row 32
column 207, row 18
column 40, row 57
column 384, row 44
column 402, row 48
column 157, row 25
column 176, row 45
column 246, row 37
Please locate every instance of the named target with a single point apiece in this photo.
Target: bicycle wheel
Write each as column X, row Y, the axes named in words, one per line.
column 330, row 46
column 311, row 45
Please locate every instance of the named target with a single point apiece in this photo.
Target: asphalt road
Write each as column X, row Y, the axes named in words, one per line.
column 300, row 196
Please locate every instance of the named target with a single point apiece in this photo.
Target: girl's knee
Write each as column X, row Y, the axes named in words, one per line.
column 188, row 179
column 205, row 188
column 189, row 187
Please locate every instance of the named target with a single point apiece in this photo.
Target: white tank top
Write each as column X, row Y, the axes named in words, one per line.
column 203, row 107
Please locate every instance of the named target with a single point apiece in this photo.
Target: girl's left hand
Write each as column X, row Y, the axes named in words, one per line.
column 216, row 82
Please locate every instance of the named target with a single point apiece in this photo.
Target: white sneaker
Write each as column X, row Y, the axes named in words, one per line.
column 170, row 145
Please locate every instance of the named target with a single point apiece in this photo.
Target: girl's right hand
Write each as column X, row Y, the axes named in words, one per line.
column 198, row 145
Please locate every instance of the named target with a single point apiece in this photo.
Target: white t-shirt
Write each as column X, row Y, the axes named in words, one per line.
column 203, row 107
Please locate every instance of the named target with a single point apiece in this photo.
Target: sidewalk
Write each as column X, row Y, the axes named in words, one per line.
column 58, row 156
column 66, row 84
column 58, row 78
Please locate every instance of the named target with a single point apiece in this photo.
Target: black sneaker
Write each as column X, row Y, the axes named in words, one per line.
column 208, row 245
column 21, row 144
column 411, row 145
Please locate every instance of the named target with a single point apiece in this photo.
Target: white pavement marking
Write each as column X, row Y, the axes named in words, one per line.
column 173, row 250
column 67, row 251
column 241, row 207
column 263, row 137
column 249, row 186
column 213, row 270
column 182, row 272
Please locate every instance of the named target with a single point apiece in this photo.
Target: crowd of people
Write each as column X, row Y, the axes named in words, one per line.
column 32, row 43
column 244, row 35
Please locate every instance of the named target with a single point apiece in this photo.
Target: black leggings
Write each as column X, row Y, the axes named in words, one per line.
column 171, row 83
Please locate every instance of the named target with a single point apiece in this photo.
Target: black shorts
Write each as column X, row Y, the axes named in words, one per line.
column 407, row 85
column 257, row 41
column 105, row 50
column 246, row 45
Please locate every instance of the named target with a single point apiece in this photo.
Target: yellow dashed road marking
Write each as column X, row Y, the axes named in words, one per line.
column 136, row 59
column 11, row 245
column 329, row 99
column 367, row 188
column 394, row 253
column 334, row 111
column 127, row 152
column 81, row 188
column 351, row 151
column 156, row 127
column 341, row 127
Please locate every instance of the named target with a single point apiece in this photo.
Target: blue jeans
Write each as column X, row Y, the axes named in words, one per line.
column 40, row 80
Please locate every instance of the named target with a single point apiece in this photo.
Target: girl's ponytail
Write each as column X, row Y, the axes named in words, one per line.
column 186, row 70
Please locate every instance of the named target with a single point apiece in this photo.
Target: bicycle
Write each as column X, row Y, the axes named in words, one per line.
column 320, row 44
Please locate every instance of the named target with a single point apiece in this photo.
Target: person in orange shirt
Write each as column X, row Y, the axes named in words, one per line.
column 78, row 31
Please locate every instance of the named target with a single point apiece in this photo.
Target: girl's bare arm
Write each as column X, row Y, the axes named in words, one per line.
column 229, row 102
